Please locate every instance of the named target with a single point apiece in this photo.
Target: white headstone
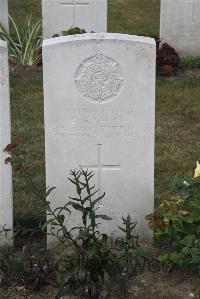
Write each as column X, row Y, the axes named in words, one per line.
column 180, row 25
column 6, row 204
column 4, row 14
column 61, row 15
column 99, row 93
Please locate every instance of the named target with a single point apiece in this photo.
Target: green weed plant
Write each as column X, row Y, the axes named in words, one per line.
column 86, row 260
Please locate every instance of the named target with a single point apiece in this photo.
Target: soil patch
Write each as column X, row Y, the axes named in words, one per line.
column 175, row 285
column 24, row 71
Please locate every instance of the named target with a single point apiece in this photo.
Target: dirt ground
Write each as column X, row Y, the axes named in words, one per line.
column 165, row 286
column 174, row 285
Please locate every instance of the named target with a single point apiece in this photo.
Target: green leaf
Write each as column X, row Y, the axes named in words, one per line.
column 76, row 206
column 75, row 198
column 44, row 225
column 84, row 217
column 60, row 219
column 49, row 191
column 53, row 223
column 60, row 209
column 138, row 252
column 76, row 227
column 89, row 197
column 122, row 229
column 164, row 258
column 195, row 256
column 104, row 217
column 98, row 199
column 84, row 234
column 188, row 240
column 174, row 257
column 72, row 181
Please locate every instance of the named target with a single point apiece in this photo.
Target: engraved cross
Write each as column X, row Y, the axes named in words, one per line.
column 74, row 4
column 100, row 167
column 194, row 11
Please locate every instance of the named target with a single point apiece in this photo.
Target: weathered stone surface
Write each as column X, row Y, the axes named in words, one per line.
column 4, row 14
column 6, row 205
column 99, row 93
column 60, row 15
column 180, row 25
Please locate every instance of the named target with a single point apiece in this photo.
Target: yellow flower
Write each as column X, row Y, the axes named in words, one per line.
column 197, row 170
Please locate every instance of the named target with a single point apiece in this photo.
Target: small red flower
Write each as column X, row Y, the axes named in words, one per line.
column 11, row 146
column 16, row 142
column 17, row 167
column 8, row 148
column 8, row 160
column 23, row 152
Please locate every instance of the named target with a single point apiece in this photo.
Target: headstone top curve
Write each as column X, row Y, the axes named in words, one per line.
column 99, row 36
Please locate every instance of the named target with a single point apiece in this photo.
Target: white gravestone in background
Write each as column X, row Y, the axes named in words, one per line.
column 60, row 15
column 4, row 14
column 99, row 93
column 6, row 205
column 180, row 25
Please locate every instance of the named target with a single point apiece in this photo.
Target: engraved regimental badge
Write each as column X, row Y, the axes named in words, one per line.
column 99, row 78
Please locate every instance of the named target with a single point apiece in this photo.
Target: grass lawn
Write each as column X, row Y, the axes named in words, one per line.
column 140, row 17
column 177, row 104
column 125, row 16
column 177, row 127
column 28, row 126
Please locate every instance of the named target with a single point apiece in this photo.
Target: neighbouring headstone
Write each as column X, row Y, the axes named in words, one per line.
column 61, row 15
column 99, row 93
column 180, row 25
column 6, row 204
column 4, row 14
